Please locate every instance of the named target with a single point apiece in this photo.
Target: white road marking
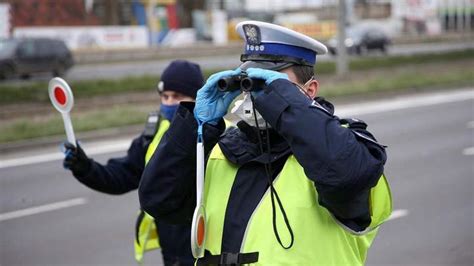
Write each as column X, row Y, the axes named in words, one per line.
column 95, row 149
column 397, row 214
column 405, row 102
column 343, row 111
column 468, row 151
column 42, row 208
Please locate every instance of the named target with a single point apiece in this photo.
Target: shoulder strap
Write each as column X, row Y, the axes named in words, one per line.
column 359, row 128
column 152, row 124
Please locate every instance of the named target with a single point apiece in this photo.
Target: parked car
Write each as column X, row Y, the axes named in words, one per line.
column 362, row 38
column 23, row 57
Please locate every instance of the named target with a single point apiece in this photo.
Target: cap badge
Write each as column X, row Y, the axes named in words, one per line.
column 252, row 34
column 161, row 86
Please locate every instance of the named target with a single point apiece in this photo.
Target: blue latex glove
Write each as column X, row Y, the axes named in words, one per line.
column 268, row 75
column 212, row 104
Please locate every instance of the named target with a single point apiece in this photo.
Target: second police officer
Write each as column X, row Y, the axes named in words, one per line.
column 292, row 184
column 179, row 82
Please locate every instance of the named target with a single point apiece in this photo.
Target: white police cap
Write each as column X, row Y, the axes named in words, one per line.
column 275, row 47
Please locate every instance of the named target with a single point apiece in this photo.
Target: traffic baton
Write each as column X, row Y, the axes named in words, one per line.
column 198, row 227
column 62, row 99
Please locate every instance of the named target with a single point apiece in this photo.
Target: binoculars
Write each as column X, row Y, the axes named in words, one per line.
column 240, row 82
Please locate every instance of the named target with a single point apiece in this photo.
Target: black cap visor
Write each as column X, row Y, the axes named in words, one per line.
column 275, row 66
column 271, row 62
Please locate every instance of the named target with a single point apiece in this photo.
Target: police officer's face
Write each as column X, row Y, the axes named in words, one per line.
column 310, row 88
column 173, row 98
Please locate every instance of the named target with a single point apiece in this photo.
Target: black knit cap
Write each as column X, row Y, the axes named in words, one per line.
column 182, row 76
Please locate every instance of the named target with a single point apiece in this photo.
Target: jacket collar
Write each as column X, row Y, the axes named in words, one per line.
column 240, row 145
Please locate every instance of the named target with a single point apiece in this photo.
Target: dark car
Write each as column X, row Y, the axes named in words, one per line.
column 23, row 57
column 360, row 39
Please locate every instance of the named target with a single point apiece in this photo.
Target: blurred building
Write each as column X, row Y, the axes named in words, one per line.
column 170, row 13
column 50, row 13
column 399, row 17
column 182, row 22
column 5, row 20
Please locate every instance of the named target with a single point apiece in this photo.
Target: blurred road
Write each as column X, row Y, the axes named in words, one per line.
column 48, row 218
column 119, row 70
column 231, row 61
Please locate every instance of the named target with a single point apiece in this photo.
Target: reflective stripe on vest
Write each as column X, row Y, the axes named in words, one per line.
column 146, row 236
column 318, row 237
column 164, row 125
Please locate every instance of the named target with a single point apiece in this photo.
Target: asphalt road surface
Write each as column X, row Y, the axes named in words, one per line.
column 48, row 218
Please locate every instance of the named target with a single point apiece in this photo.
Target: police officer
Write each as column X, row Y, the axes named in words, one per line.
column 292, row 184
column 179, row 82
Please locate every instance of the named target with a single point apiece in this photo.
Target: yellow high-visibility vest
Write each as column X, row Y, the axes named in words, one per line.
column 146, row 236
column 319, row 238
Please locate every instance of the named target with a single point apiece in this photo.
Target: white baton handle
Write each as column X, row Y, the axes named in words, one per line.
column 198, row 226
column 68, row 128
column 199, row 172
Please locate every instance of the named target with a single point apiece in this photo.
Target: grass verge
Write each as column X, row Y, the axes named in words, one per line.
column 27, row 128
column 406, row 78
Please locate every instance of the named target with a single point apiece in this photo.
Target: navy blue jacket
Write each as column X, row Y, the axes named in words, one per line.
column 344, row 163
column 119, row 175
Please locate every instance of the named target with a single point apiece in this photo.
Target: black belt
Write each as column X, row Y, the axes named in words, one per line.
column 228, row 259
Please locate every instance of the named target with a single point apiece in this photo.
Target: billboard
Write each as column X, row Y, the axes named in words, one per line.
column 417, row 16
column 91, row 37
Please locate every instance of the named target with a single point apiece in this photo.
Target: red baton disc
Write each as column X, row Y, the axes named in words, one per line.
column 59, row 95
column 201, row 231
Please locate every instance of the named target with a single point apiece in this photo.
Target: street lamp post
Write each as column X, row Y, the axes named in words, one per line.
column 341, row 64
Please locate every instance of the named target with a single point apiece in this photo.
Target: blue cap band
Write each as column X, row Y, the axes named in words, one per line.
column 281, row 49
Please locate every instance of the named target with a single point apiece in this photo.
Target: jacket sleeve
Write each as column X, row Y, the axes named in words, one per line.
column 168, row 186
column 119, row 175
column 344, row 164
